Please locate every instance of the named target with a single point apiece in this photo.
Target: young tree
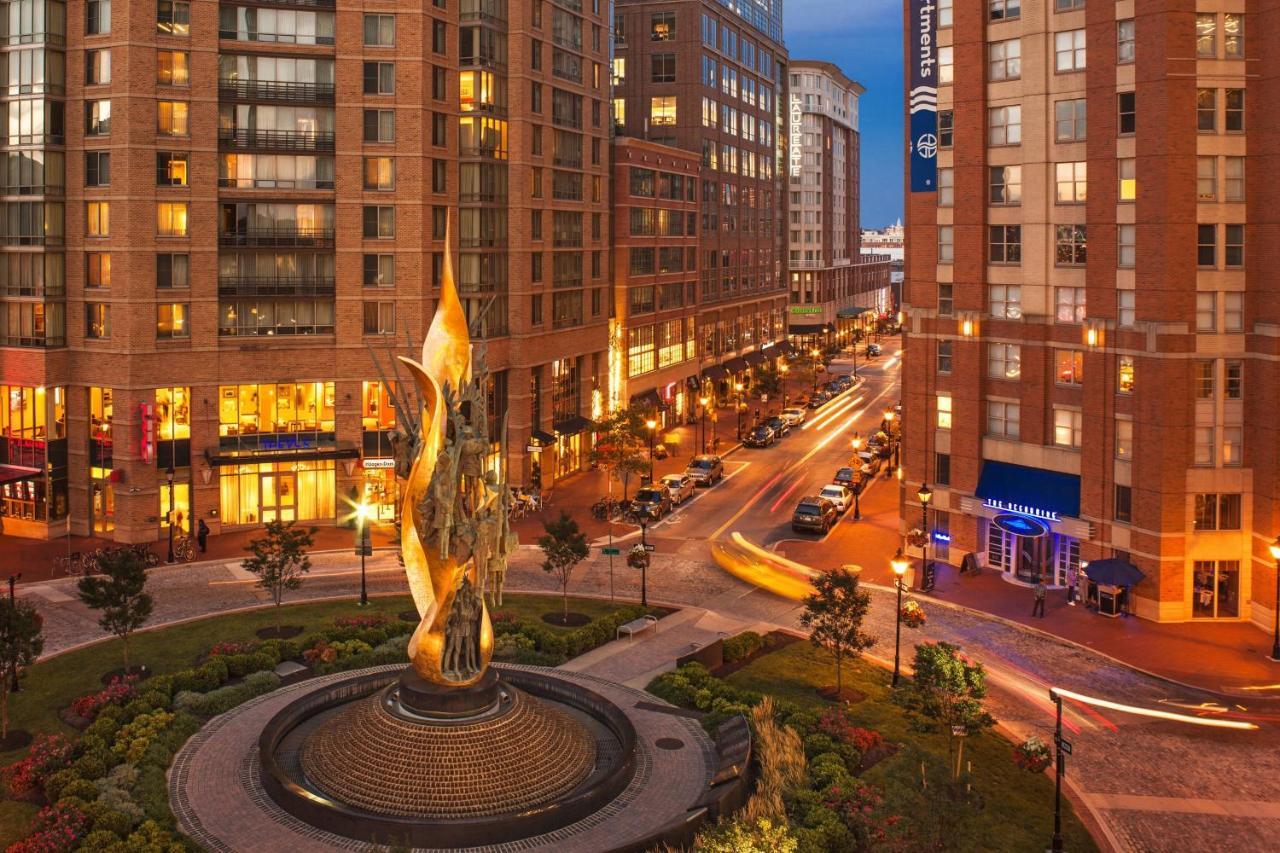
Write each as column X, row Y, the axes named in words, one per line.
column 280, row 559
column 946, row 693
column 118, row 591
column 621, row 447
column 833, row 613
column 564, row 546
column 21, row 642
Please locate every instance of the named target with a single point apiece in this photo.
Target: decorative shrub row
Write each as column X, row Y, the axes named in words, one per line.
column 540, row 645
column 742, row 646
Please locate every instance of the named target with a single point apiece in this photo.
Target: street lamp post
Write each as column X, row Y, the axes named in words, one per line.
column 1275, row 643
column 857, row 467
column 925, row 495
column 899, row 564
column 702, row 439
column 362, row 522
column 738, row 407
column 888, row 417
column 13, row 597
column 817, row 365
column 653, row 428
column 783, row 368
column 169, row 477
column 1060, row 771
column 644, row 565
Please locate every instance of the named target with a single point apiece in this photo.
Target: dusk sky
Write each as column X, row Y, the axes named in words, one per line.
column 863, row 37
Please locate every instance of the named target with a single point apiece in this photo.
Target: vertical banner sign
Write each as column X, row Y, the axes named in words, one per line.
column 147, row 445
column 923, row 97
column 796, row 154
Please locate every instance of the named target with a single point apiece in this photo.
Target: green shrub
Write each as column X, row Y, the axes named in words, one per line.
column 99, row 840
column 58, row 782
column 93, row 764
column 507, row 647
column 104, row 816
column 78, row 787
column 742, row 646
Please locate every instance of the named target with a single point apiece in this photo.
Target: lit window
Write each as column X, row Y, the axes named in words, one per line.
column 171, row 219
column 171, row 321
column 1125, row 379
column 171, row 118
column 662, row 110
column 172, row 68
column 1127, row 169
column 379, row 173
column 620, row 112
column 173, row 18
column 1069, row 367
column 1067, row 427
column 99, row 219
column 1072, row 182
column 1124, row 439
column 944, row 411
column 97, row 320
column 946, row 65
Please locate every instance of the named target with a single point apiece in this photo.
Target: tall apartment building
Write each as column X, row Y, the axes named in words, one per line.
column 710, row 77
column 835, row 289
column 1091, row 362
column 216, row 214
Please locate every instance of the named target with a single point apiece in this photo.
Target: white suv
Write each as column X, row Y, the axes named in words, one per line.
column 838, row 495
column 793, row 415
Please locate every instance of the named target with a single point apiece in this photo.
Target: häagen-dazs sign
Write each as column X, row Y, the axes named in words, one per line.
column 923, row 96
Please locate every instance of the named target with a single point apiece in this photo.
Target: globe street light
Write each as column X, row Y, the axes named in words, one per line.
column 782, row 369
column 1275, row 644
column 857, row 467
column 925, row 495
column 363, row 511
column 899, row 564
column 653, row 428
column 817, row 365
column 741, row 404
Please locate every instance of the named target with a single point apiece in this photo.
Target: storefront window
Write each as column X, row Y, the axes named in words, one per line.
column 377, row 408
column 381, row 492
column 181, row 502
column 289, row 407
column 100, row 437
column 277, row 491
column 1216, row 589
column 173, row 413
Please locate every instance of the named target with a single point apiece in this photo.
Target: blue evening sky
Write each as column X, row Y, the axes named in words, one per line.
column 864, row 38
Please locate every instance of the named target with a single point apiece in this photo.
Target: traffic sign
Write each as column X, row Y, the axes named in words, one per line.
column 959, row 731
column 610, row 552
column 1065, row 746
column 533, row 448
column 648, row 547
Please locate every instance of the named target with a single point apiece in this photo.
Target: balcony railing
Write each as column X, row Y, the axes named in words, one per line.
column 568, row 162
column 278, row 235
column 310, row 4
column 275, row 184
column 32, row 189
column 276, row 90
column 274, row 140
column 266, row 285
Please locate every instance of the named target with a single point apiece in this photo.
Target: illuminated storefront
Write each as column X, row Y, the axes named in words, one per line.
column 33, row 457
column 378, row 486
column 262, row 492
column 172, row 416
column 102, row 490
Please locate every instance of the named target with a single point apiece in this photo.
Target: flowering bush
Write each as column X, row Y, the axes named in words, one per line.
column 1032, row 755
column 372, row 620
column 835, row 724
column 862, row 809
column 227, row 648
column 638, row 557
column 48, row 755
column 504, row 617
column 133, row 738
column 326, row 652
column 916, row 538
column 912, row 614
column 57, row 828
column 117, row 692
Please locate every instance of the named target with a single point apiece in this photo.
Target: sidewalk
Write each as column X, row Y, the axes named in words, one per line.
column 1227, row 657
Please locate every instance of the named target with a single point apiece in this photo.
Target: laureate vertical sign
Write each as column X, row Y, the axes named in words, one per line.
column 923, row 96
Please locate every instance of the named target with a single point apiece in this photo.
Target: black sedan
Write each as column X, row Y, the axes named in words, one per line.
column 761, row 436
column 779, row 426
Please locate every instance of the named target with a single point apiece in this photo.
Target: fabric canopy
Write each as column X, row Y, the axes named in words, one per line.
column 1019, row 488
column 572, row 425
column 542, row 437
column 755, row 357
column 737, row 364
column 1114, row 572
column 647, row 399
column 853, row 313
column 806, row 328
column 715, row 372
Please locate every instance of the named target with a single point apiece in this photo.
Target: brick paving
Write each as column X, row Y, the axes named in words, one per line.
column 219, row 802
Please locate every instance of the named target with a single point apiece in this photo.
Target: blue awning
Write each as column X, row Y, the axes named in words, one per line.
column 1018, row 488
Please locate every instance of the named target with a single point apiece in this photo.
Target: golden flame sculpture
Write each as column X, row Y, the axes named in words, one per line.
column 435, row 576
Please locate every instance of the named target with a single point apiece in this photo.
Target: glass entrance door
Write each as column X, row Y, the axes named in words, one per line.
column 1216, row 589
column 279, row 499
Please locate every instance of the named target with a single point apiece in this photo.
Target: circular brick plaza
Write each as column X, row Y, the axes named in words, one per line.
column 218, row 795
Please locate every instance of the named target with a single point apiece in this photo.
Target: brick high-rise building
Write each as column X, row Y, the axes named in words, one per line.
column 836, row 291
column 1091, row 368
column 710, row 78
column 215, row 214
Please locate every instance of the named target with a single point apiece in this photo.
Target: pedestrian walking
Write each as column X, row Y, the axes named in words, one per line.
column 1041, row 591
column 1073, row 578
column 202, row 536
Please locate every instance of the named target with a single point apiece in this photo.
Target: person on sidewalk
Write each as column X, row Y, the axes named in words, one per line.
column 1041, row 591
column 1072, row 579
column 202, row 536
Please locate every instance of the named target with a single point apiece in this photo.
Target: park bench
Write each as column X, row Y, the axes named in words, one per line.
column 636, row 626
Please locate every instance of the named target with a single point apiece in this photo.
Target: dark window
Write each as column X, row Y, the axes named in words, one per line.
column 1206, row 110
column 379, row 270
column 1128, row 112
column 173, row 271
column 379, row 125
column 438, row 175
column 1124, row 503
column 439, row 37
column 439, row 83
column 439, row 218
column 1233, row 246
column 946, row 302
column 97, row 17
column 1217, row 512
column 379, row 222
column 944, row 356
column 535, row 266
column 1006, row 244
column 1207, row 245
column 97, row 168
column 379, row 78
column 1233, row 116
column 439, row 129
column 942, row 469
column 662, row 68
column 535, row 54
column 946, row 119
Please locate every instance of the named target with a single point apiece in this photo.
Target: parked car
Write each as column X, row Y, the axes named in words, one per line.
column 838, row 495
column 814, row 514
column 681, row 487
column 845, row 477
column 654, row 501
column 844, row 382
column 761, row 436
column 883, row 449
column 794, row 415
column 871, row 463
column 873, row 350
column 779, row 425
column 705, row 470
column 819, row 397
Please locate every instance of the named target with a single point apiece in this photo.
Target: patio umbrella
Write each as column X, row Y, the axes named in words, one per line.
column 1114, row 572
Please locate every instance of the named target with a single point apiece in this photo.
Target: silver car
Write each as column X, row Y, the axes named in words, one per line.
column 705, row 470
column 681, row 487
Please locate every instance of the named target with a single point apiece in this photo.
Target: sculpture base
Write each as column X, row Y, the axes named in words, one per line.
column 418, row 696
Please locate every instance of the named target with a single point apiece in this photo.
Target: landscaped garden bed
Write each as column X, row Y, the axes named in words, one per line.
column 94, row 777
column 868, row 779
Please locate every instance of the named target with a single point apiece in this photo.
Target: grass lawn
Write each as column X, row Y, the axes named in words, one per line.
column 53, row 684
column 1017, row 811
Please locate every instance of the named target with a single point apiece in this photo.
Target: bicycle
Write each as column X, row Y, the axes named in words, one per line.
column 605, row 508
column 184, row 549
column 72, row 565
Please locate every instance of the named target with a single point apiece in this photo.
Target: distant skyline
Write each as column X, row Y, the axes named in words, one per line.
column 864, row 38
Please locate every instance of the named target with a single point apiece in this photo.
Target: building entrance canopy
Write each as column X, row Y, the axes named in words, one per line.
column 1029, row 491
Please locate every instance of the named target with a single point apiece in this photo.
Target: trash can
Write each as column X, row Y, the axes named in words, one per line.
column 1110, row 601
